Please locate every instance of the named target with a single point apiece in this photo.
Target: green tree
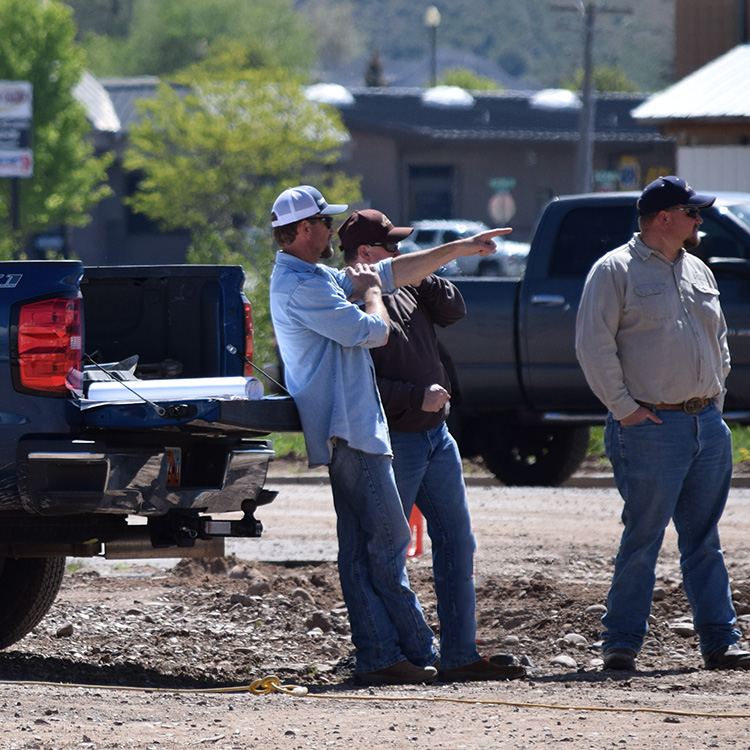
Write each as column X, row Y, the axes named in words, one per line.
column 374, row 72
column 337, row 29
column 212, row 161
column 467, row 79
column 37, row 45
column 604, row 78
column 106, row 17
column 168, row 35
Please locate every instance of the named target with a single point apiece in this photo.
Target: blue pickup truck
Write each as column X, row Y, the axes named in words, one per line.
column 520, row 399
column 73, row 471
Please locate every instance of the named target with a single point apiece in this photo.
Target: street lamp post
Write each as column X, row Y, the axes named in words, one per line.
column 432, row 21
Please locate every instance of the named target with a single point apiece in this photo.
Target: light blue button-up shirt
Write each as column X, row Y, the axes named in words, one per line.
column 323, row 340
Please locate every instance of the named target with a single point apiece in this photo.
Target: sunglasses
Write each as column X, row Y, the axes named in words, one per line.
column 389, row 247
column 691, row 213
column 327, row 220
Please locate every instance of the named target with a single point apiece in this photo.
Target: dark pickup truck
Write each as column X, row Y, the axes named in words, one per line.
column 74, row 470
column 520, row 399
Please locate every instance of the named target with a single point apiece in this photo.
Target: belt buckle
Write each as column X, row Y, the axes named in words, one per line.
column 693, row 405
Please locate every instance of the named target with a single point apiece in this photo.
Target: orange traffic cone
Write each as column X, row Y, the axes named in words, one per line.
column 416, row 524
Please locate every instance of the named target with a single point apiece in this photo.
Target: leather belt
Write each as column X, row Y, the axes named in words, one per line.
column 691, row 406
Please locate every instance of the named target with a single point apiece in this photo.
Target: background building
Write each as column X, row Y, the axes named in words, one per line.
column 706, row 30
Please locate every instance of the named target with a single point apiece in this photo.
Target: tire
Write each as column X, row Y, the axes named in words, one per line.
column 28, row 587
column 542, row 456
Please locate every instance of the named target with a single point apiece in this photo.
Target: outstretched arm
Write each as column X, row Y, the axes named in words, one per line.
column 411, row 268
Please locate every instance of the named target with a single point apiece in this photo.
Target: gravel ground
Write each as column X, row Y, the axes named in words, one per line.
column 141, row 655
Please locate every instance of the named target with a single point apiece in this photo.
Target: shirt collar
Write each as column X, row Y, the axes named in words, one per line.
column 292, row 261
column 643, row 251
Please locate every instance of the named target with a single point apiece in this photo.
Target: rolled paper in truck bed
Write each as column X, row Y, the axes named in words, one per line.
column 175, row 389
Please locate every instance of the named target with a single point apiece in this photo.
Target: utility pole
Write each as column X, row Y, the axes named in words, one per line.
column 432, row 21
column 585, row 157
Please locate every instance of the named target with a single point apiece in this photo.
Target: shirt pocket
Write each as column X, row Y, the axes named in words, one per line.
column 655, row 301
column 707, row 299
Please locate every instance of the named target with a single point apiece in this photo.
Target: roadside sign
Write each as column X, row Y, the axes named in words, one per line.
column 502, row 184
column 16, row 163
column 16, row 157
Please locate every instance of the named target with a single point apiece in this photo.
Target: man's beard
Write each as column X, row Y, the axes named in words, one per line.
column 328, row 252
column 692, row 242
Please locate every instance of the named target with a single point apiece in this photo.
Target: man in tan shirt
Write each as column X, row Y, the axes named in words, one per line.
column 651, row 339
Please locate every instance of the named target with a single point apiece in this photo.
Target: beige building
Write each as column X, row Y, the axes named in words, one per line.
column 706, row 30
column 708, row 115
column 707, row 111
column 496, row 157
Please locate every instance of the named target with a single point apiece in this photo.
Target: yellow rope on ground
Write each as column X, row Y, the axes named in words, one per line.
column 272, row 684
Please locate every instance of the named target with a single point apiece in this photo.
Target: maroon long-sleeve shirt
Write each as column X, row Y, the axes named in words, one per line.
column 409, row 363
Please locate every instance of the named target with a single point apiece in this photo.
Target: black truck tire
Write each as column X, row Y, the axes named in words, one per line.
column 543, row 456
column 28, row 587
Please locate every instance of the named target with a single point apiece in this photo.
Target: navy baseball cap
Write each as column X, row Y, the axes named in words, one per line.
column 667, row 192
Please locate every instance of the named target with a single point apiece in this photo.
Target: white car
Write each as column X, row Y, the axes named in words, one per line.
column 509, row 260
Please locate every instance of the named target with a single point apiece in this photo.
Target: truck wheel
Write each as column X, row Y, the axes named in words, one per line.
column 28, row 586
column 536, row 456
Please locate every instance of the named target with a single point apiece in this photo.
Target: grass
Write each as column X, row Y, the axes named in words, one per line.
column 740, row 443
column 289, row 444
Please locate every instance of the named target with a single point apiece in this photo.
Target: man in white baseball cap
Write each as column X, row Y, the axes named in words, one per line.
column 304, row 203
column 323, row 338
column 301, row 202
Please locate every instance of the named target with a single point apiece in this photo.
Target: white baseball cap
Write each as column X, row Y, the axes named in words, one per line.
column 301, row 202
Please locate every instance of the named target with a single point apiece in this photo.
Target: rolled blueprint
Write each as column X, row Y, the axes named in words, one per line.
column 175, row 389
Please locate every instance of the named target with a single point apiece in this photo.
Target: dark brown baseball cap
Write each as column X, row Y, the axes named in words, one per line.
column 370, row 227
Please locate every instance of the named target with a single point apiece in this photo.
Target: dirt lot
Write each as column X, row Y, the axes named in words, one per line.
column 147, row 656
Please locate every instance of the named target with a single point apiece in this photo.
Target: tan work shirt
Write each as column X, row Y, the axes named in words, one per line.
column 651, row 330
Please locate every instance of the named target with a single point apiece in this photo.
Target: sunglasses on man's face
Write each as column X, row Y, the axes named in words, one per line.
column 327, row 220
column 390, row 247
column 691, row 213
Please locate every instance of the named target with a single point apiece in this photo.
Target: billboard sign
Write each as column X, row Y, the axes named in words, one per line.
column 16, row 157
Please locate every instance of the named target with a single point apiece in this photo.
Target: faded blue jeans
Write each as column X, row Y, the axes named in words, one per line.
column 387, row 622
column 679, row 470
column 428, row 472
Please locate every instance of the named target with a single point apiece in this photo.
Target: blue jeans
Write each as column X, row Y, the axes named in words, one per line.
column 387, row 622
column 679, row 470
column 428, row 472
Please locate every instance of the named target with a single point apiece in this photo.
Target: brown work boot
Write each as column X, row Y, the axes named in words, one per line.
column 622, row 659
column 728, row 657
column 401, row 673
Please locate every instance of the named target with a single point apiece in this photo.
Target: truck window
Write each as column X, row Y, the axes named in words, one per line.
column 425, row 237
column 586, row 234
column 717, row 241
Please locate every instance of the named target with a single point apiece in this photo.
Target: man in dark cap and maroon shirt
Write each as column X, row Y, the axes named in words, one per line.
column 415, row 391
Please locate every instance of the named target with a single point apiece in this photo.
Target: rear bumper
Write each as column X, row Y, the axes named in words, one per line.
column 136, row 476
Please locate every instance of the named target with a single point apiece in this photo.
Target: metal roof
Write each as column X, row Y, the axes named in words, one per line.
column 97, row 103
column 720, row 89
column 500, row 116
column 125, row 93
column 483, row 116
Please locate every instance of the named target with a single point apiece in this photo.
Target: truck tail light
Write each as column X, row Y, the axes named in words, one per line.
column 48, row 344
column 248, row 368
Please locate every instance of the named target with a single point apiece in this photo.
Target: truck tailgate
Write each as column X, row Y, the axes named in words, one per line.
column 260, row 416
column 148, row 458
